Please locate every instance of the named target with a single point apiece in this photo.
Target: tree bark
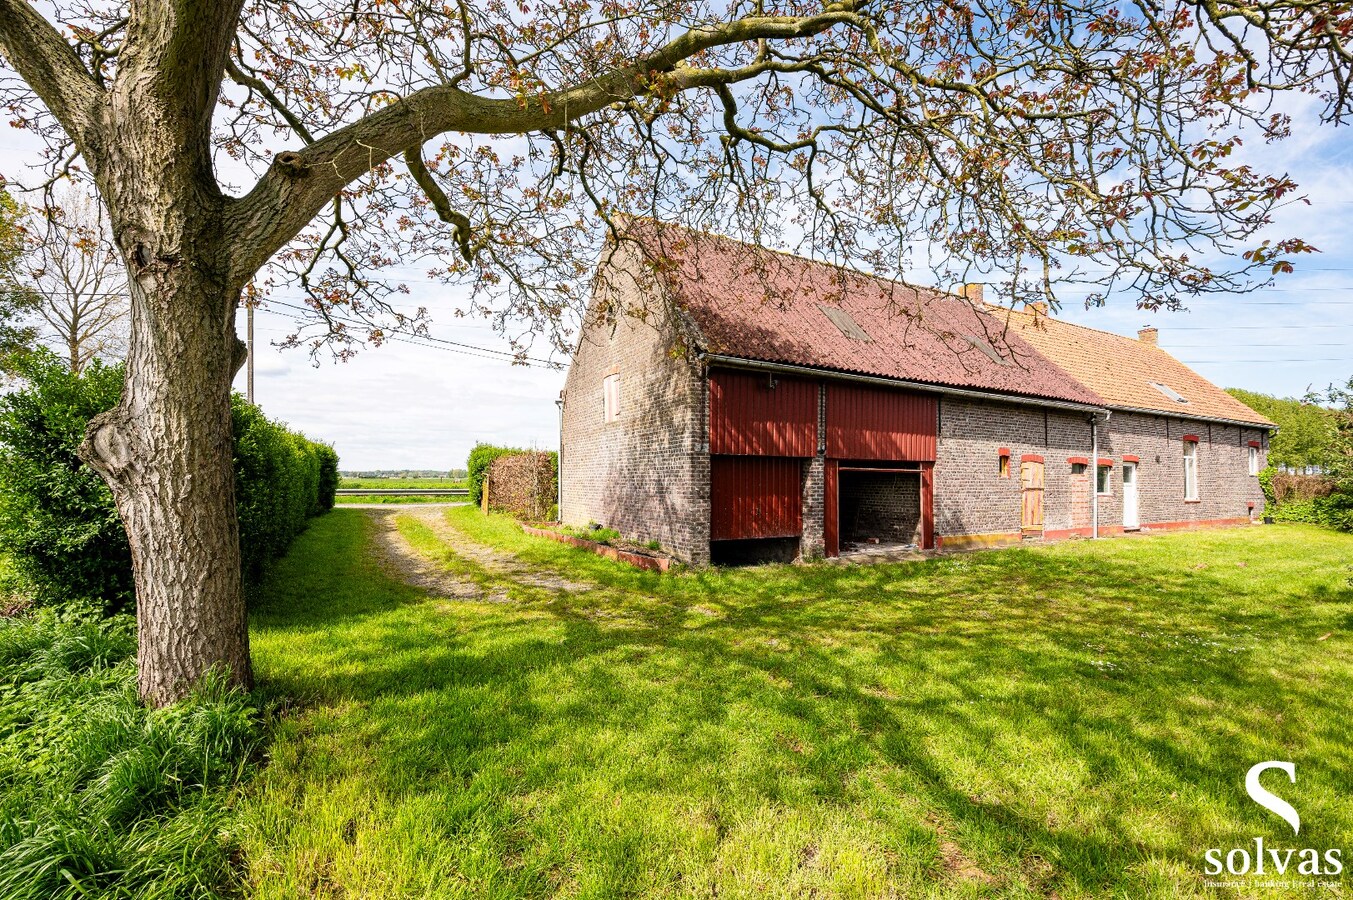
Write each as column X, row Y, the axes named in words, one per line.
column 167, row 453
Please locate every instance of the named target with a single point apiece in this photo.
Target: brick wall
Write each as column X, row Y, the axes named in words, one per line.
column 882, row 506
column 972, row 499
column 971, row 496
column 646, row 474
column 1225, row 486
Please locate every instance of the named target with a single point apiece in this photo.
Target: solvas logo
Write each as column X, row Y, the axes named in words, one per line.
column 1262, row 860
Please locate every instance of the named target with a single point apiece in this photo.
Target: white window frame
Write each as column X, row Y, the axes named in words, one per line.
column 610, row 398
column 1191, row 492
column 1254, row 460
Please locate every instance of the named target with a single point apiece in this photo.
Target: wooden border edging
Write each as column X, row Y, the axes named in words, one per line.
column 638, row 560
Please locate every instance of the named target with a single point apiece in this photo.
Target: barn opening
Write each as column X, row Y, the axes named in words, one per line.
column 879, row 506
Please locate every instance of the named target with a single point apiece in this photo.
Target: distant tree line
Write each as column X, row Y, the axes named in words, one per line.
column 1314, row 439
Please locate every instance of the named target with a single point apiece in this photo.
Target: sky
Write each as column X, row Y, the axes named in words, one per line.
column 423, row 406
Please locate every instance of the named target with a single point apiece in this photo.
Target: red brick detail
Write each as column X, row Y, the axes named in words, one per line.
column 1105, row 461
column 1191, row 438
column 1003, row 451
column 1031, row 457
column 638, row 560
column 1255, row 444
column 1114, row 530
column 1078, row 460
column 1129, row 458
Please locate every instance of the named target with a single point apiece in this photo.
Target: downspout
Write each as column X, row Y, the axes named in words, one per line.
column 1094, row 471
column 559, row 479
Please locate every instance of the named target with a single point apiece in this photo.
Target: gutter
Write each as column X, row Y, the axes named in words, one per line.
column 1257, row 426
column 736, row 362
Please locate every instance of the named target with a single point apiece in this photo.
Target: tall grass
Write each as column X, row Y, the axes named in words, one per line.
column 100, row 797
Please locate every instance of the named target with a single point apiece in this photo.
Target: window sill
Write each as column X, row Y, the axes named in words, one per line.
column 1194, row 501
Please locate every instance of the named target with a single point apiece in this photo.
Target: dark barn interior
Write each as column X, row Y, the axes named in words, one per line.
column 880, row 507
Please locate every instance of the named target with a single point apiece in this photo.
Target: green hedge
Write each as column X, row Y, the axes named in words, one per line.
column 58, row 524
column 482, row 456
column 1333, row 511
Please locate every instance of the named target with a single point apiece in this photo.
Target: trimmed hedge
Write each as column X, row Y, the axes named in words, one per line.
column 1303, row 498
column 481, row 457
column 525, row 484
column 58, row 524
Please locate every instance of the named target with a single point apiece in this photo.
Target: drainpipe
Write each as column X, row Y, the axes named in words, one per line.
column 559, row 480
column 1094, row 471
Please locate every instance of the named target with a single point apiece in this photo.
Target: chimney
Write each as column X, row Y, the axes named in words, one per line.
column 972, row 291
column 1148, row 335
column 1039, row 308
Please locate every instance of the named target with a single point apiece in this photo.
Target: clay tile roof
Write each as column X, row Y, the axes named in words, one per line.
column 1122, row 370
column 758, row 304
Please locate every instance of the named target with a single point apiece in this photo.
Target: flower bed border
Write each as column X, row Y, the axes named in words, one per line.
column 638, row 560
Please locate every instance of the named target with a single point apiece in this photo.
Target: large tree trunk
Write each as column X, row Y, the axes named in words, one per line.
column 167, row 453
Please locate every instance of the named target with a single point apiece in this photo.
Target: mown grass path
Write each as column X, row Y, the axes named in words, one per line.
column 1066, row 721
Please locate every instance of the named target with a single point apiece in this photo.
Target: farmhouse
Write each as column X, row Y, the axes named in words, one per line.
column 729, row 402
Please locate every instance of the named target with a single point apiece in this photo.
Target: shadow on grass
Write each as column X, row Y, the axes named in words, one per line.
column 1074, row 719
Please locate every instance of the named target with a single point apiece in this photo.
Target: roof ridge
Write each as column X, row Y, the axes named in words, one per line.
column 789, row 254
column 1123, row 337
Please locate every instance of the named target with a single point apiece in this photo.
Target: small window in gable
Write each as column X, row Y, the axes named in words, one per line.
column 610, row 398
column 1254, row 460
column 1005, row 464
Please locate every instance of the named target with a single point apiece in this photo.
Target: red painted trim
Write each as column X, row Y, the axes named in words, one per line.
column 638, row 560
column 1127, row 458
column 831, row 531
column 1255, row 444
column 1031, row 457
column 1105, row 461
column 1078, row 460
column 1191, row 438
column 1003, row 451
column 1111, row 530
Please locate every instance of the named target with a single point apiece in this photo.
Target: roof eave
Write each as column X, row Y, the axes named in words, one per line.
column 738, row 362
column 1179, row 414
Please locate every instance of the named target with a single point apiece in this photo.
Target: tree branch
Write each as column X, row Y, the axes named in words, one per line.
column 50, row 66
column 299, row 183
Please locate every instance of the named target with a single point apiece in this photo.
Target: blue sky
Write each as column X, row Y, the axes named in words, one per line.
column 408, row 406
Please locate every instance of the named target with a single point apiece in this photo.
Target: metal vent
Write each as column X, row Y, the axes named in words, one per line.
column 844, row 323
column 1169, row 392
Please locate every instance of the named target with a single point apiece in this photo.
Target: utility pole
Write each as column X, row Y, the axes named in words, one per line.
column 249, row 384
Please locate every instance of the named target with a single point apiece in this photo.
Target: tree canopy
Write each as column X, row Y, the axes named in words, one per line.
column 1305, row 429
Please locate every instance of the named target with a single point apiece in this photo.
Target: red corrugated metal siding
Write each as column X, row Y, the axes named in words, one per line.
column 755, row 497
column 875, row 423
column 749, row 417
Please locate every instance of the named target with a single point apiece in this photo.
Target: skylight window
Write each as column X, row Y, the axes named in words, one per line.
column 986, row 348
column 1169, row 392
column 844, row 323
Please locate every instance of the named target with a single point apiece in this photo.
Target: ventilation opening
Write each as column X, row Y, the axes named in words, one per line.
column 879, row 509
column 753, row 551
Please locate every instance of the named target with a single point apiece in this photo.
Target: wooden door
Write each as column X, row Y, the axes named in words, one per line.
column 1031, row 480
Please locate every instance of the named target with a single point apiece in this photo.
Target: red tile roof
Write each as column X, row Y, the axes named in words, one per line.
column 757, row 304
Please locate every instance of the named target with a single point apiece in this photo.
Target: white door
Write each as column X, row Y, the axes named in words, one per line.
column 1130, row 519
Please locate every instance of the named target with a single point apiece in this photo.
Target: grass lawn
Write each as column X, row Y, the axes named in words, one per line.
column 1064, row 721
column 395, row 484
